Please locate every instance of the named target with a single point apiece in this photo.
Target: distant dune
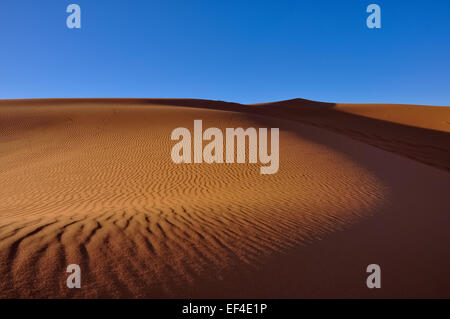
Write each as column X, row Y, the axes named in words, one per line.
column 91, row 182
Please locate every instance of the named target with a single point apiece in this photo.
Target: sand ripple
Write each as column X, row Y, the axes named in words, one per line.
column 94, row 185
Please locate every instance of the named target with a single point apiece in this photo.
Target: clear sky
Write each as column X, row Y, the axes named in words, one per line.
column 235, row 50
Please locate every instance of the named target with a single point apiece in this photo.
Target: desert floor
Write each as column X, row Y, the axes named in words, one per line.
column 91, row 182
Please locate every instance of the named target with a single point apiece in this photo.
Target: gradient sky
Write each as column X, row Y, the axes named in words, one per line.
column 244, row 51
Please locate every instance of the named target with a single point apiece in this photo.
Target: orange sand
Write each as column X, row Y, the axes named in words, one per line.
column 91, row 182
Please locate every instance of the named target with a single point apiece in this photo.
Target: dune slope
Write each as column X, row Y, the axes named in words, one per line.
column 91, row 182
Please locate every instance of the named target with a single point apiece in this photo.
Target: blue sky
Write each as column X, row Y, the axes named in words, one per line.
column 244, row 51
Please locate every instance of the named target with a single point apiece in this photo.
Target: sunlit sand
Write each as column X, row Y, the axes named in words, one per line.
column 91, row 182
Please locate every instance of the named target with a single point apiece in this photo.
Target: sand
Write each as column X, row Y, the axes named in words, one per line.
column 91, row 182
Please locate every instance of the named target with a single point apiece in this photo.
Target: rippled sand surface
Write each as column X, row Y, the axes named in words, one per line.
column 92, row 183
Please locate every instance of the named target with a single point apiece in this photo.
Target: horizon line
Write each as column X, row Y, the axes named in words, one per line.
column 124, row 99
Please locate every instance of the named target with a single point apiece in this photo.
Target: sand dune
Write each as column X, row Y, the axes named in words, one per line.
column 91, row 182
